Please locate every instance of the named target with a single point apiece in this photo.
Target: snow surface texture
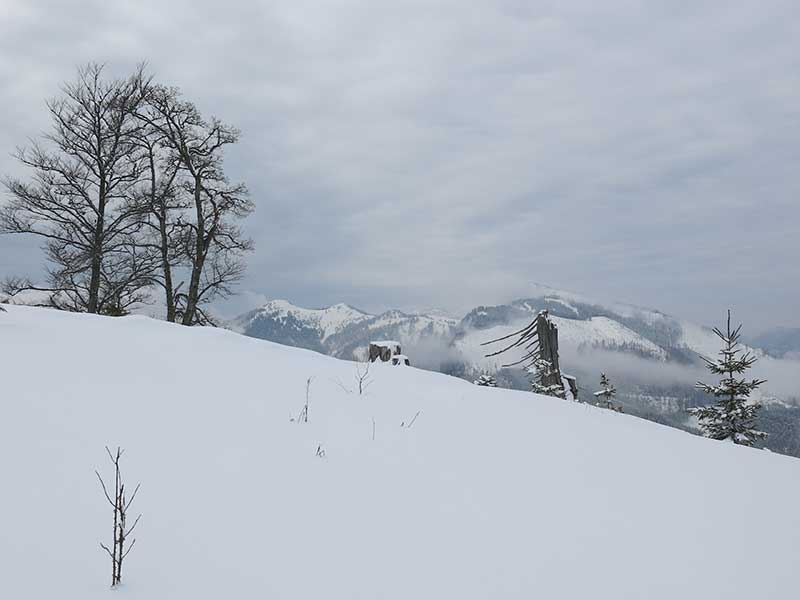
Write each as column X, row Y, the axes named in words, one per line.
column 489, row 494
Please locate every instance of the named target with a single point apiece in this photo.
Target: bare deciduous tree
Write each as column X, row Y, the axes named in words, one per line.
column 159, row 202
column 205, row 232
column 120, row 503
column 129, row 193
column 84, row 171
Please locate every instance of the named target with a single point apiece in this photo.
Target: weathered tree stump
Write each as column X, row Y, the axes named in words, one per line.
column 383, row 350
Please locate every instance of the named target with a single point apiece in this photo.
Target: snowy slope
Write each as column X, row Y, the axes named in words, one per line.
column 704, row 341
column 602, row 330
column 27, row 298
column 491, row 494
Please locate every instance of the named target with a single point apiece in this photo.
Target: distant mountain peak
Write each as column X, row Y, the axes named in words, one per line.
column 307, row 327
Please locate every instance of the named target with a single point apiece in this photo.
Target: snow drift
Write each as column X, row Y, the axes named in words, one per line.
column 489, row 494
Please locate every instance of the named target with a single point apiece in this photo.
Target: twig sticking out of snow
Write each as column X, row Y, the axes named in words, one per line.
column 411, row 422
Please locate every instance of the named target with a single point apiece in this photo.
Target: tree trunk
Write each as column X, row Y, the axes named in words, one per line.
column 97, row 253
column 548, row 349
column 198, row 259
column 94, row 282
column 169, row 292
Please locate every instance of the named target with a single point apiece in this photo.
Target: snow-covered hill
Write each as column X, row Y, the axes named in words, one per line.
column 559, row 501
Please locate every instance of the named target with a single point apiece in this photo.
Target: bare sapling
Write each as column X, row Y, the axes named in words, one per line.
column 120, row 502
column 363, row 379
column 303, row 416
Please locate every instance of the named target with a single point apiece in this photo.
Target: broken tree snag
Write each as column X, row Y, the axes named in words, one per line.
column 538, row 343
column 548, row 348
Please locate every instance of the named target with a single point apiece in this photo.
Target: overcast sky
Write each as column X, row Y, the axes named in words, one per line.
column 448, row 153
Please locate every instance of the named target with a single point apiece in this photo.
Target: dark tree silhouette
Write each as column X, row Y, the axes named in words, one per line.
column 203, row 226
column 77, row 201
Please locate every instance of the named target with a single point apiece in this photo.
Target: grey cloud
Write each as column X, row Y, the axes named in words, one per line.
column 412, row 153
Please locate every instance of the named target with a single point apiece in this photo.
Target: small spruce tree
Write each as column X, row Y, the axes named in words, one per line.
column 733, row 416
column 605, row 396
column 486, row 380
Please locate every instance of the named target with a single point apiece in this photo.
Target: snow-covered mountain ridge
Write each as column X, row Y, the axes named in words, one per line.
column 490, row 494
column 653, row 358
column 327, row 321
column 340, row 329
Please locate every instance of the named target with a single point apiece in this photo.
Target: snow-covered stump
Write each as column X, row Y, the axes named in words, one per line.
column 401, row 360
column 384, row 351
